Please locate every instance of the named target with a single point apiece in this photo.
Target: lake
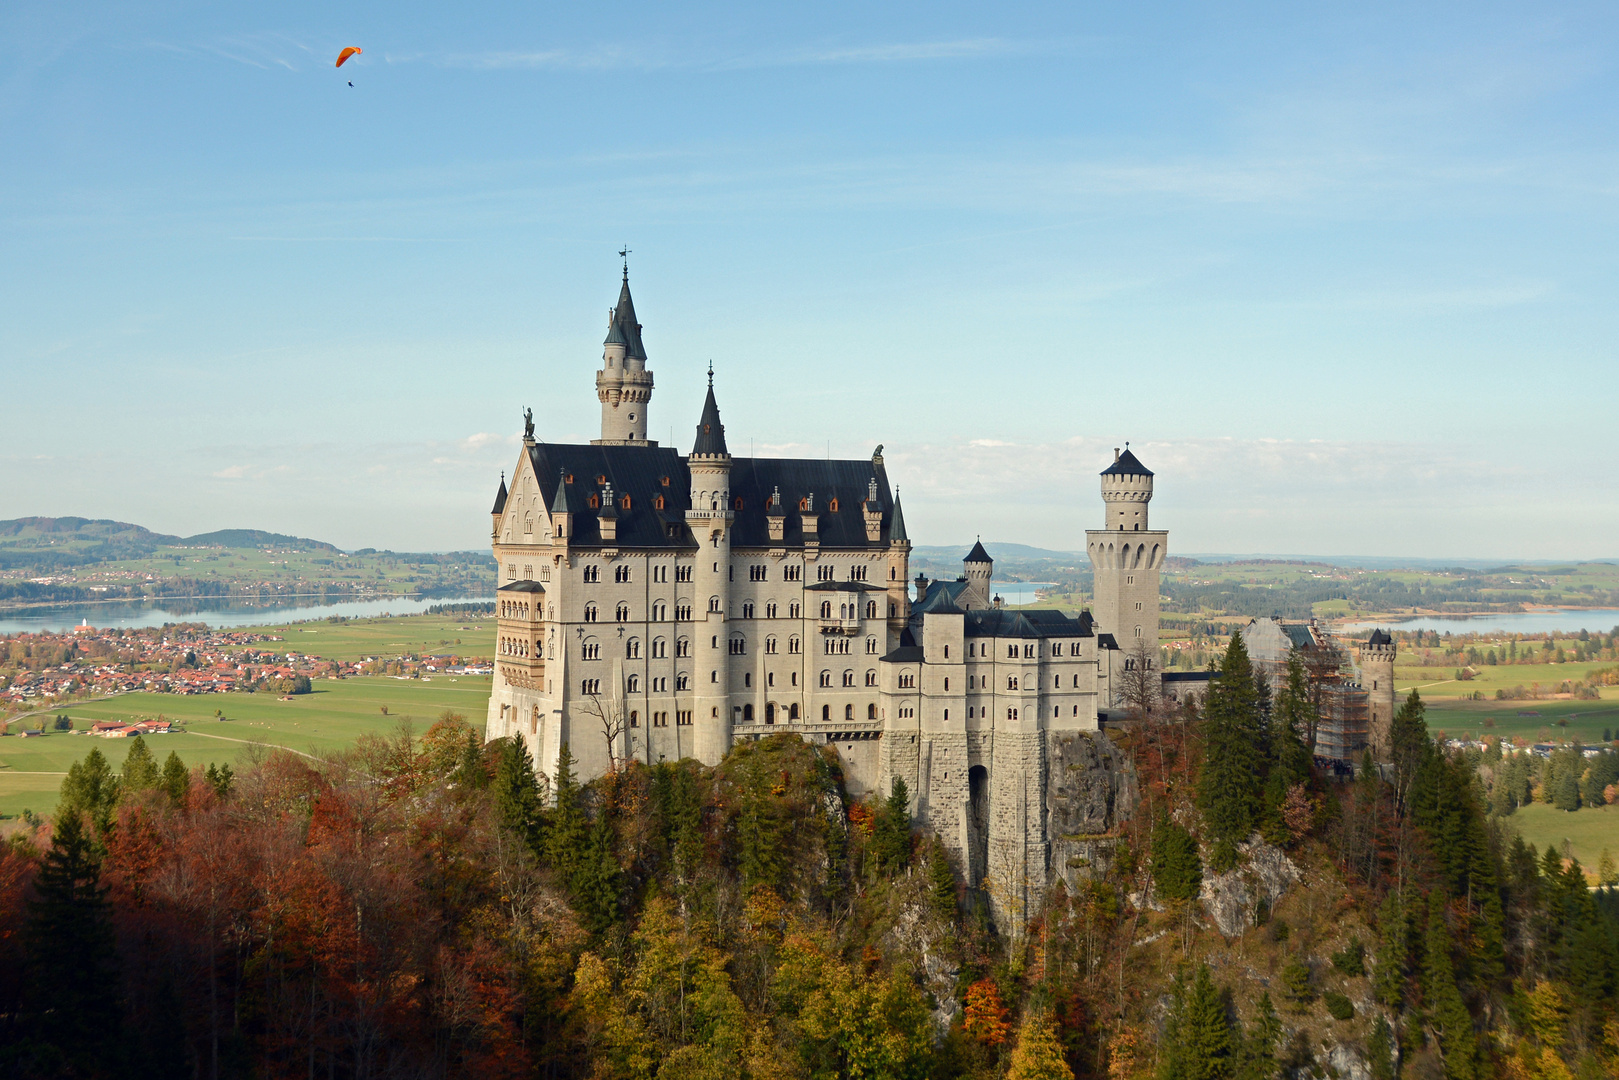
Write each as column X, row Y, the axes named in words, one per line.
column 133, row 614
column 1019, row 592
column 1522, row 622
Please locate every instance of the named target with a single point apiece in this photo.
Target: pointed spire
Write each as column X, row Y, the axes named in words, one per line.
column 622, row 327
column 500, row 496
column 897, row 530
column 978, row 554
column 710, row 432
column 559, row 503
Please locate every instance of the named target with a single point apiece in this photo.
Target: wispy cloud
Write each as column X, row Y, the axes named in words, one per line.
column 265, row 51
column 615, row 57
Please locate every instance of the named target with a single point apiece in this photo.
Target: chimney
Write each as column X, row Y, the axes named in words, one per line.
column 1115, row 453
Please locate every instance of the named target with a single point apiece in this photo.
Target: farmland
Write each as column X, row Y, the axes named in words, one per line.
column 328, row 719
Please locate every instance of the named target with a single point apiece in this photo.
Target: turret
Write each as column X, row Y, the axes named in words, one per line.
column 1127, row 489
column 624, row 385
column 710, row 520
column 977, row 568
column 500, row 506
column 561, row 517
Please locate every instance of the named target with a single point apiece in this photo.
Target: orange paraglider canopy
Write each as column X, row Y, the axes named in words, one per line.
column 352, row 50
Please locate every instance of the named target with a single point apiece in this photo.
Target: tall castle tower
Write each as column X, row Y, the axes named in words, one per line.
column 710, row 519
column 623, row 385
column 977, row 568
column 1376, row 659
column 1127, row 557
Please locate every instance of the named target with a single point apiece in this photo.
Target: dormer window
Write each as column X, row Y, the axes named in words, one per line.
column 657, row 501
column 601, row 479
column 568, row 479
column 803, row 504
column 665, row 481
column 595, row 502
column 624, row 503
column 833, row 505
column 737, row 505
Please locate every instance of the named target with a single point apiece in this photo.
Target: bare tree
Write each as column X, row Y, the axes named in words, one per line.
column 613, row 726
column 1140, row 684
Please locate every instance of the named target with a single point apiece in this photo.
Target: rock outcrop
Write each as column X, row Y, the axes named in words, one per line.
column 1231, row 900
column 1091, row 787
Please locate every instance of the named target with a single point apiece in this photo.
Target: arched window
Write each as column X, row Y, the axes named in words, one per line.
column 826, row 678
column 848, row 678
column 770, row 646
column 623, row 612
column 632, row 685
column 747, row 710
column 848, row 712
column 871, row 711
column 713, row 603
column 632, row 649
column 826, row 712
column 682, row 681
column 826, row 609
column 871, row 678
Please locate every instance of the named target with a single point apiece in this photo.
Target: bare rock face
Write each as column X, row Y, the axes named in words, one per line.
column 917, row 932
column 1231, row 900
column 1091, row 787
column 1347, row 1063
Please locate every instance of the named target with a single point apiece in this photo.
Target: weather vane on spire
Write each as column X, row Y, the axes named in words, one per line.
column 711, row 374
column 624, row 253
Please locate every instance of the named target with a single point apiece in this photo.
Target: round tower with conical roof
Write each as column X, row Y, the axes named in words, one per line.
column 710, row 519
column 624, row 385
column 977, row 568
column 1127, row 557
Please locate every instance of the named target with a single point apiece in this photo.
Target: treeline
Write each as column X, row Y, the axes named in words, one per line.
column 1296, row 600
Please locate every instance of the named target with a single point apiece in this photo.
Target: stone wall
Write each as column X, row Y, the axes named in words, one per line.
column 1091, row 787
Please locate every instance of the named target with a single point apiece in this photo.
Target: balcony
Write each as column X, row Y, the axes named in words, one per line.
column 840, row 626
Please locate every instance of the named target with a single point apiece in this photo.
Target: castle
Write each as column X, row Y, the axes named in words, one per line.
column 654, row 606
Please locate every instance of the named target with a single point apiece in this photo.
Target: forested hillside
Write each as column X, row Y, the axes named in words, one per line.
column 423, row 906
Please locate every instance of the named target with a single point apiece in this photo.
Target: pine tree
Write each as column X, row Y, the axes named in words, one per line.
column 1393, row 952
column 1410, row 747
column 1566, row 794
column 1038, row 1054
column 1229, row 786
column 597, row 878
column 140, row 770
column 1177, row 872
column 1380, row 1051
column 221, row 779
column 1287, row 757
column 517, row 792
column 1448, row 1012
column 176, row 780
column 1202, row 1047
column 90, row 788
column 567, row 830
column 891, row 839
column 1257, row 1058
column 942, row 881
column 72, row 972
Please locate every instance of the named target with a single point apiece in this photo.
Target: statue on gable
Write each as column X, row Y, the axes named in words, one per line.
column 528, row 424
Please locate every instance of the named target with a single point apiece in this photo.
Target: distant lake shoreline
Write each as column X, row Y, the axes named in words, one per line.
column 1536, row 619
column 140, row 614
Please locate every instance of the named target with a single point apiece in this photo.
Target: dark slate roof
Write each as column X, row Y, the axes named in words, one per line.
column 622, row 328
column 500, row 497
column 905, row 654
column 1107, row 641
column 639, row 472
column 898, row 530
column 1380, row 637
column 1299, row 634
column 941, row 598
column 710, row 432
column 977, row 554
column 521, row 586
column 1127, row 465
column 1004, row 622
column 843, row 586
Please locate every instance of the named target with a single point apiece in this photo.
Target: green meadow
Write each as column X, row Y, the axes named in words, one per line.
column 1584, row 834
column 326, row 720
column 421, row 635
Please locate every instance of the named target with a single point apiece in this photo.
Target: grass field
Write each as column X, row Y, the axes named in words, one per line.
column 330, row 718
column 424, row 635
column 1583, row 834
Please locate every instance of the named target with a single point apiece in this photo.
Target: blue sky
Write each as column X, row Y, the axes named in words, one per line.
column 1344, row 278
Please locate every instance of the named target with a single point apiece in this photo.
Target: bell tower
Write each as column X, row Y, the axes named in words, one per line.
column 623, row 385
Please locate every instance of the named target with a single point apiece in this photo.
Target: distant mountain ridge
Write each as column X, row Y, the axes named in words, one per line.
column 105, row 530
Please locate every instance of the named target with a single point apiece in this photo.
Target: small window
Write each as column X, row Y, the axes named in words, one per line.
column 736, row 504
column 657, row 502
column 665, row 481
column 833, row 505
column 595, row 502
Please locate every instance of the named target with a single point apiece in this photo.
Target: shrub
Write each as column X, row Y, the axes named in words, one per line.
column 1352, row 960
column 1339, row 1006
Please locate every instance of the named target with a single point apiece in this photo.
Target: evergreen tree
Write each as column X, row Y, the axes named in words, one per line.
column 1566, row 794
column 1230, row 784
column 1393, row 952
column 517, row 791
column 1448, row 1013
column 891, row 836
column 1410, row 746
column 1198, row 1042
column 90, row 788
column 140, row 770
column 222, row 779
column 71, row 987
column 568, row 831
column 1177, row 872
column 597, row 878
column 1380, row 1051
column 941, row 881
column 175, row 781
column 1038, row 1054
column 1257, row 1057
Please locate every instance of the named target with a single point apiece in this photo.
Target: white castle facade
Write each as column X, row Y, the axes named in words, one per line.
column 654, row 606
